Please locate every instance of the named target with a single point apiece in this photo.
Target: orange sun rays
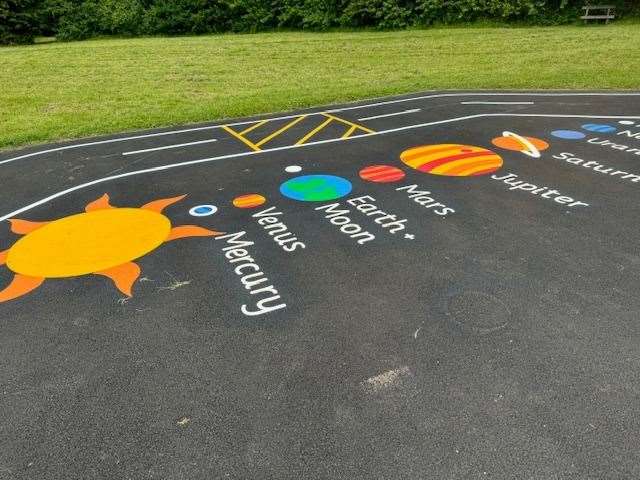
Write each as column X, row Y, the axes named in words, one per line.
column 105, row 240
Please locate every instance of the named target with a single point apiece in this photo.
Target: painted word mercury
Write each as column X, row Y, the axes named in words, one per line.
column 238, row 255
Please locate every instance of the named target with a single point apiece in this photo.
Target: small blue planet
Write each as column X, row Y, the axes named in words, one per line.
column 599, row 128
column 568, row 134
column 203, row 210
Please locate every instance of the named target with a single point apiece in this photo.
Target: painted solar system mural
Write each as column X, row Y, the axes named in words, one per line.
column 106, row 240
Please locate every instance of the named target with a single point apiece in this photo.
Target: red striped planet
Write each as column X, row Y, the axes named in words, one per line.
column 381, row 174
column 452, row 160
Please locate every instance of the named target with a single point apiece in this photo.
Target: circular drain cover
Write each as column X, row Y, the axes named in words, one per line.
column 477, row 313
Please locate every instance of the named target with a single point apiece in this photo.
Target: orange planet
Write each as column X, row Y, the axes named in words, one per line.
column 251, row 200
column 452, row 160
column 530, row 146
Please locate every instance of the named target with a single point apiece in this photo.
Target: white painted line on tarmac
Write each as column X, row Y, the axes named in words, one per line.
column 101, row 142
column 404, row 112
column 289, row 147
column 519, row 94
column 343, row 109
column 497, row 103
column 178, row 145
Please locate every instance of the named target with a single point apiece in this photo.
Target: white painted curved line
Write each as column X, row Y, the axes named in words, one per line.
column 497, row 103
column 395, row 114
column 289, row 147
column 484, row 94
column 102, row 142
column 531, row 150
column 343, row 109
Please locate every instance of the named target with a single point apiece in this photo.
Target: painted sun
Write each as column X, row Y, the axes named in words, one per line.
column 104, row 240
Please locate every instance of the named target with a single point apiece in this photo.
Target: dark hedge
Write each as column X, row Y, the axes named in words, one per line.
column 21, row 20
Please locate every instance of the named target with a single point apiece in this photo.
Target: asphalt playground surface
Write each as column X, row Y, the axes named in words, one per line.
column 436, row 286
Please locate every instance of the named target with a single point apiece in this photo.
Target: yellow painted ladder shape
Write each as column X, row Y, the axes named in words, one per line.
column 353, row 127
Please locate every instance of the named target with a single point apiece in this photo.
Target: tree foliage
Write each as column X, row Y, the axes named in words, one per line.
column 20, row 20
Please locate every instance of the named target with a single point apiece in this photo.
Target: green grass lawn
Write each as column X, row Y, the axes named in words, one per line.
column 65, row 90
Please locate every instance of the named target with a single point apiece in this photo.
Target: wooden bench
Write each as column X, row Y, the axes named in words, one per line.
column 600, row 15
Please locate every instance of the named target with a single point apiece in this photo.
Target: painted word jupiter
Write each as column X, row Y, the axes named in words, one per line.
column 549, row 193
